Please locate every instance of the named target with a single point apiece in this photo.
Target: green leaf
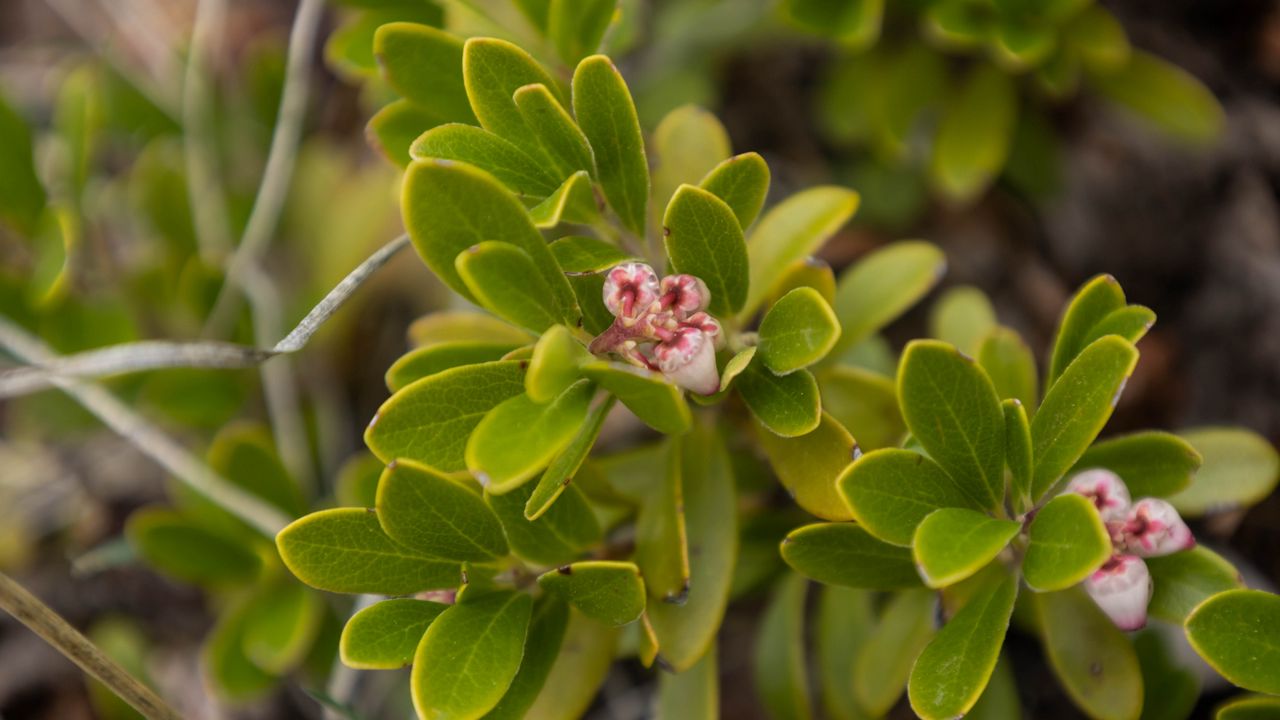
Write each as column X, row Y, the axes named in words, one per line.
column 245, row 454
column 558, row 536
column 952, row 410
column 742, row 182
column 864, row 402
column 1253, row 707
column 392, row 130
column 493, row 70
column 1185, row 579
column 798, row 331
column 231, row 673
column 793, row 230
column 788, row 405
column 856, row 25
column 541, row 648
column 565, row 465
column 973, row 137
column 703, row 238
column 1076, row 407
column 1151, row 463
column 182, row 549
column 662, row 547
column 344, row 550
column 736, row 366
column 608, row 591
column 954, row 668
column 956, row 24
column 1092, row 658
column 424, row 64
column 280, row 626
column 844, row 623
column 1007, row 360
column 1240, row 468
column 687, row 144
column 845, row 554
column 449, row 207
column 1170, row 688
column 953, row 543
column 884, row 663
column 554, row 365
column 655, row 401
column 882, row 286
column 1238, row 633
column 607, row 116
column 469, row 656
column 559, row 136
column 808, row 466
column 1166, row 96
column 576, row 27
column 685, row 632
column 503, row 279
column 962, row 316
column 357, row 482
column 422, row 362
column 693, row 694
column 1093, row 302
column 1000, row 699
column 580, row 254
column 430, row 420
column 385, row 635
column 573, row 202
column 1130, row 322
column 349, row 50
column 891, row 491
column 22, row 197
column 522, row 174
column 781, row 676
column 1068, row 542
column 464, row 326
column 437, row 516
column 1017, row 451
column 519, row 438
column 575, row 677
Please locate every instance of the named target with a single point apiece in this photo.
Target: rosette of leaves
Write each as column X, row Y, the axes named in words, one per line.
column 967, row 513
column 269, row 625
column 896, row 90
column 493, row 510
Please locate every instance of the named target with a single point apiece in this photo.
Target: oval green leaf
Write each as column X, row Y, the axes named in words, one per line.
column 808, row 466
column 890, row 491
column 781, row 671
column 742, row 182
column 1185, row 579
column 385, row 635
column 1240, row 468
column 519, row 438
column 1094, row 660
column 882, row 286
column 798, row 331
column 1151, row 463
column 655, row 401
column 1238, row 633
column 608, row 591
column 788, row 405
column 845, row 554
column 437, row 516
column 704, row 239
column 605, row 112
column 424, row 64
column 1068, row 542
column 953, row 543
column 523, row 174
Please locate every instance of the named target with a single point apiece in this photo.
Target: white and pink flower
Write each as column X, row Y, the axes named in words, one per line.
column 661, row 325
column 1147, row 528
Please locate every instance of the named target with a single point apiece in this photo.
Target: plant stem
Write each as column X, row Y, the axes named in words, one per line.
column 56, row 631
column 147, row 438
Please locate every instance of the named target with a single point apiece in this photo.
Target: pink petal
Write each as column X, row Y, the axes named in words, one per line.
column 1122, row 588
column 684, row 294
column 629, row 289
column 689, row 360
column 1105, row 488
column 1153, row 528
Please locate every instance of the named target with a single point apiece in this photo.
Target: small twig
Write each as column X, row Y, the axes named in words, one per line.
column 147, row 438
column 280, row 163
column 155, row 354
column 204, row 190
column 56, row 631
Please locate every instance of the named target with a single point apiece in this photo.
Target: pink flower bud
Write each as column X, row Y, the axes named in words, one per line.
column 1153, row 528
column 684, row 295
column 629, row 289
column 1122, row 588
column 688, row 359
column 1107, row 491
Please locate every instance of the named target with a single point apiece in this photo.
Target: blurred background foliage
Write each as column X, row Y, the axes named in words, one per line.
column 1038, row 143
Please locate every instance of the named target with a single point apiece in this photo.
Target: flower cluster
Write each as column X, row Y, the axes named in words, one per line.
column 1147, row 528
column 661, row 325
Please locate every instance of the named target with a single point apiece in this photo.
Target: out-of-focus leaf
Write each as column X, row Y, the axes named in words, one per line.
column 575, row 677
column 576, row 27
column 884, row 662
column 865, row 403
column 1092, row 658
column 232, row 674
column 541, row 648
column 693, row 694
column 22, row 197
column 1007, row 360
column 882, row 286
column 282, row 622
column 962, row 316
column 855, row 24
column 973, row 138
column 1169, row 689
column 558, row 536
column 845, row 619
column 688, row 144
column 1166, row 96
column 1240, row 468
column 781, row 675
column 809, row 465
column 424, row 64
column 1183, row 580
column 662, row 548
column 1151, row 463
column 184, row 550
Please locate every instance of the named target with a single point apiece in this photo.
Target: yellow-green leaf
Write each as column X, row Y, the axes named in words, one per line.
column 607, row 116
column 882, row 286
column 608, row 591
column 781, row 674
column 385, row 635
column 847, row 555
column 798, row 331
column 703, row 238
column 793, row 230
column 519, row 438
column 953, row 543
column 437, row 516
column 1068, row 542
